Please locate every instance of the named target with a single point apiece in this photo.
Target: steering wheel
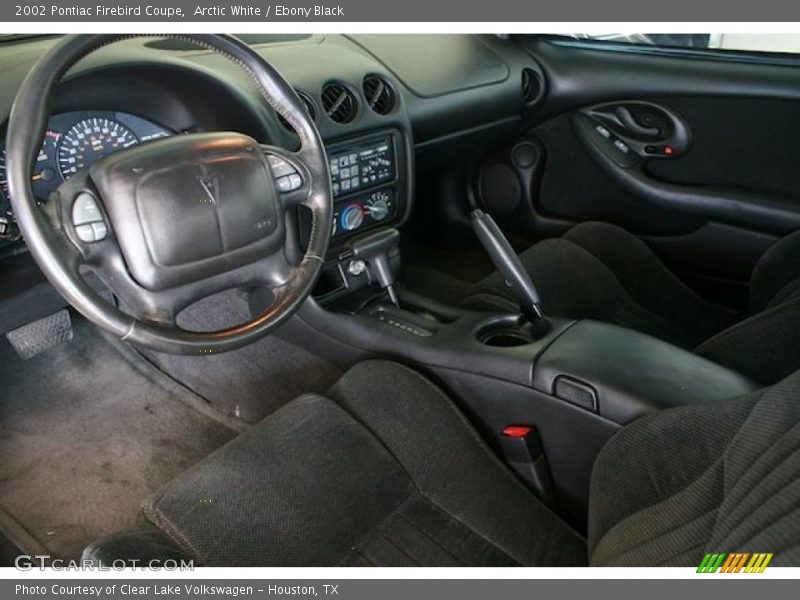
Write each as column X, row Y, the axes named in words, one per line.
column 169, row 222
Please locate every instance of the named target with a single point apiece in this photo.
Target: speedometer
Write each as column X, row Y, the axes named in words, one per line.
column 90, row 139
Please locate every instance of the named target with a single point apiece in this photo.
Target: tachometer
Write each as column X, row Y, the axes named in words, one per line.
column 43, row 178
column 90, row 139
column 43, row 169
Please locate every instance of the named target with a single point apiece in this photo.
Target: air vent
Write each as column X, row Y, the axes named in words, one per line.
column 312, row 112
column 379, row 94
column 531, row 85
column 339, row 103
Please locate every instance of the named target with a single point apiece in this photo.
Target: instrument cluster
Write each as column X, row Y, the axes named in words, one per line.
column 74, row 141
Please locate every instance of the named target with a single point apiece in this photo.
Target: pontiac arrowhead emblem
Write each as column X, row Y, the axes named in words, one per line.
column 209, row 185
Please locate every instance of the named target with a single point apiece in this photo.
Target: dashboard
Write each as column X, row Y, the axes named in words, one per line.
column 74, row 141
column 391, row 109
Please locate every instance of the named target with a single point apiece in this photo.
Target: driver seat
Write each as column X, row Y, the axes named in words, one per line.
column 386, row 471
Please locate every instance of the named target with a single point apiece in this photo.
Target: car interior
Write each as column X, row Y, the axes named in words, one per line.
column 398, row 300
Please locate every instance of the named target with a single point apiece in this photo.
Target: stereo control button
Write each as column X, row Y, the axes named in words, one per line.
column 289, row 183
column 85, row 210
column 280, row 167
column 85, row 233
column 87, row 219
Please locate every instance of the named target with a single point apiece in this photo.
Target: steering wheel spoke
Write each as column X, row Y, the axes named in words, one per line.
column 76, row 211
column 291, row 175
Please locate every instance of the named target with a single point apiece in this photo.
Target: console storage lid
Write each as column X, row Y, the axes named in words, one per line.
column 623, row 374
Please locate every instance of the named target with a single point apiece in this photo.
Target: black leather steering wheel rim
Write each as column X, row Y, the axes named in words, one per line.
column 44, row 231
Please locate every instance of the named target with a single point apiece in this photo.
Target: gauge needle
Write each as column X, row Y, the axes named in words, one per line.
column 45, row 175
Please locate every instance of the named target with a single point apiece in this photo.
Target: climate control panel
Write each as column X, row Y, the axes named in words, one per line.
column 370, row 181
column 363, row 211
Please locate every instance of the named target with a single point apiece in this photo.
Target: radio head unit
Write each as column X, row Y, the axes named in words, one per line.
column 362, row 166
column 369, row 181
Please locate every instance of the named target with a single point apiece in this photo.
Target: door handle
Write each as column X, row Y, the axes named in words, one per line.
column 632, row 125
column 628, row 130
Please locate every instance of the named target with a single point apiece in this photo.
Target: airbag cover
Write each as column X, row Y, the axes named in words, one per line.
column 189, row 207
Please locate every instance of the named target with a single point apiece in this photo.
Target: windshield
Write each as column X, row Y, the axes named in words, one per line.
column 13, row 37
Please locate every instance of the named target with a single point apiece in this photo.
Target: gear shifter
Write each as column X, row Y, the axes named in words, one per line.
column 508, row 264
column 374, row 249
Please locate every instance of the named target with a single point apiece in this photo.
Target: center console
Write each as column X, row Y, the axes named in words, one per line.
column 576, row 382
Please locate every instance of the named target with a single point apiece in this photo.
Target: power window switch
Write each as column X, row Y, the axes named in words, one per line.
column 621, row 146
column 603, row 131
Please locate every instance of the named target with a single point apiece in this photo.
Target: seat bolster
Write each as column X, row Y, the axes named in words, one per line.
column 654, row 460
column 647, row 279
column 562, row 272
column 776, row 277
column 299, row 488
column 452, row 466
column 771, row 339
column 385, row 472
column 600, row 271
column 143, row 546
column 714, row 477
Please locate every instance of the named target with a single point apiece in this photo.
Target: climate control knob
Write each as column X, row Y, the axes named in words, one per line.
column 352, row 217
column 377, row 207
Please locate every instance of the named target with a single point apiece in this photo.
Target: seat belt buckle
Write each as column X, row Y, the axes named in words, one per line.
column 524, row 453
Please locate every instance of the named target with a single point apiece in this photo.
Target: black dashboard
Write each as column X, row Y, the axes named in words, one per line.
column 388, row 107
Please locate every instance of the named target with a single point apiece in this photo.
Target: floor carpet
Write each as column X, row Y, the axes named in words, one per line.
column 251, row 382
column 87, row 430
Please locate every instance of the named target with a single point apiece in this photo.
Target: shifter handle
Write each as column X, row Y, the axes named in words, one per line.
column 507, row 263
column 374, row 248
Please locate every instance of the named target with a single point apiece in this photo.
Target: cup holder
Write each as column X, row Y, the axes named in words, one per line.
column 505, row 339
column 511, row 331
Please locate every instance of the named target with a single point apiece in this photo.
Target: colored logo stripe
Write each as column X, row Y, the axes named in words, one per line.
column 734, row 562
column 711, row 562
column 758, row 563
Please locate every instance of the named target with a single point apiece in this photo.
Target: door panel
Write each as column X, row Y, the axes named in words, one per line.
column 627, row 160
column 748, row 143
column 707, row 172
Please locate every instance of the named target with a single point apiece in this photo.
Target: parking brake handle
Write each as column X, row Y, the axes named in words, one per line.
column 508, row 264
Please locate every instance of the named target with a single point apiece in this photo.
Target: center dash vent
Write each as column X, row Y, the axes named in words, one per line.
column 379, row 94
column 339, row 102
column 532, row 87
column 310, row 109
